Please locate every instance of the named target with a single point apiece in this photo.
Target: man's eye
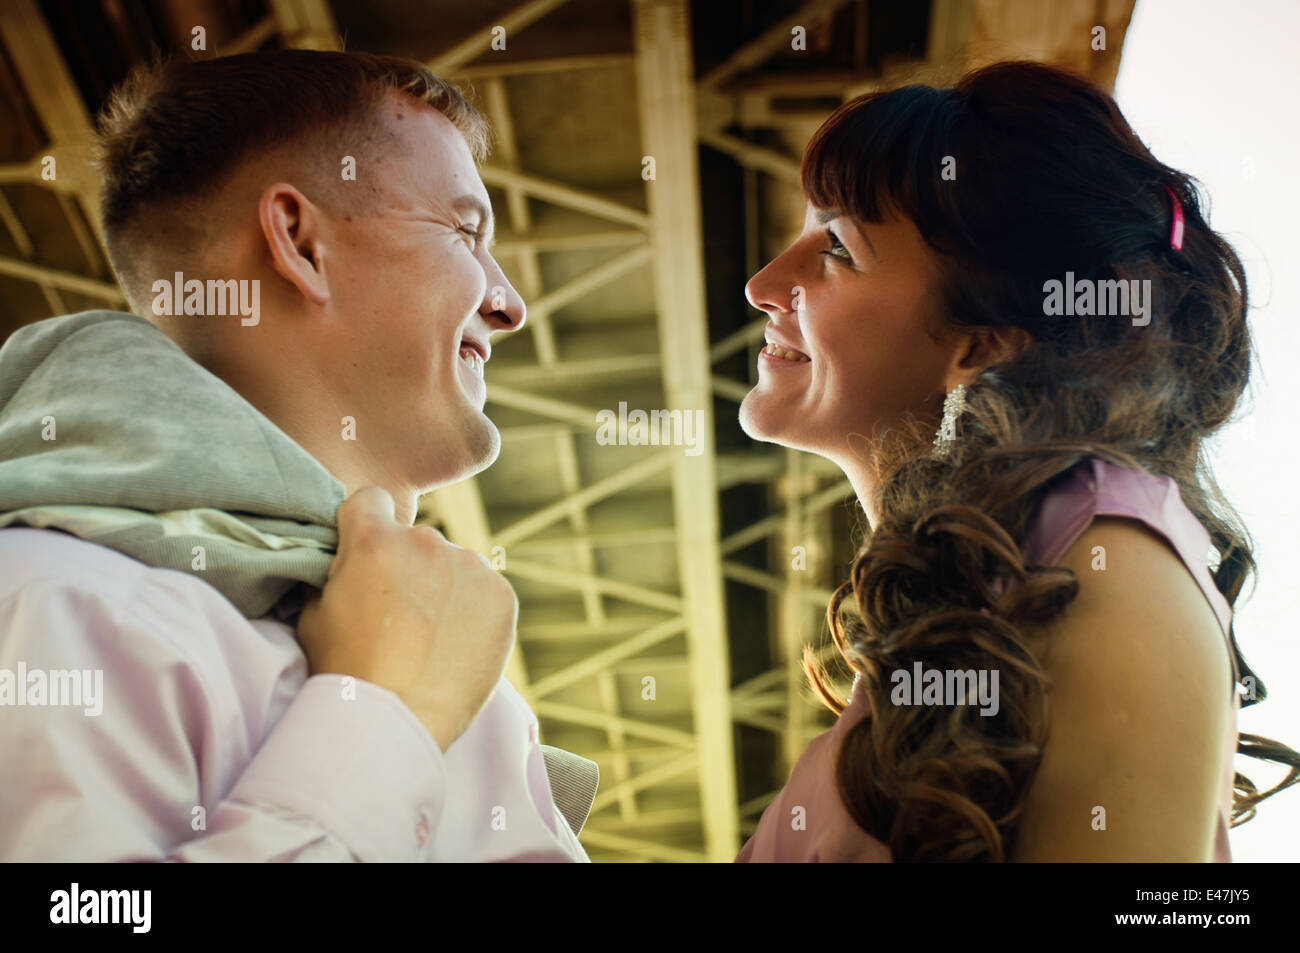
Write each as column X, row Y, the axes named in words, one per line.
column 473, row 231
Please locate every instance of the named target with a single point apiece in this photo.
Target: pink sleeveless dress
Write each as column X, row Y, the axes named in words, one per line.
column 1093, row 488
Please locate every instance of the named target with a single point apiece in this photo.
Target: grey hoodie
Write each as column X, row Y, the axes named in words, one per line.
column 109, row 431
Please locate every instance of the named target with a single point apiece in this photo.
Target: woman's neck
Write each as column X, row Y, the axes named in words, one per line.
column 863, row 481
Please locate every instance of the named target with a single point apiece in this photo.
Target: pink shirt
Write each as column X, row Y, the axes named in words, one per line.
column 1094, row 488
column 214, row 744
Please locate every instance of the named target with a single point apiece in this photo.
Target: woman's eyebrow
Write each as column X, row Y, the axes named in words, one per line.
column 825, row 216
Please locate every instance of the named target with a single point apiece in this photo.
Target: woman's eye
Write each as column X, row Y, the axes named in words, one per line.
column 837, row 249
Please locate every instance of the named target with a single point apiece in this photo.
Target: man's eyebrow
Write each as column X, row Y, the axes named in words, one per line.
column 472, row 203
column 825, row 215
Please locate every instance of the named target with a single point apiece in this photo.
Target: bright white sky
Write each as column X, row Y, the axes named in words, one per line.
column 1211, row 87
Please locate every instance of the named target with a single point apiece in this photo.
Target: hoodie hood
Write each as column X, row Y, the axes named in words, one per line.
column 111, row 432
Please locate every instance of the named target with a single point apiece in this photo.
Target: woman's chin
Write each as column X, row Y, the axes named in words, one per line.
column 778, row 426
column 765, row 423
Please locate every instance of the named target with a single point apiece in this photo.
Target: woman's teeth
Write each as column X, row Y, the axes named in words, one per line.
column 471, row 358
column 777, row 351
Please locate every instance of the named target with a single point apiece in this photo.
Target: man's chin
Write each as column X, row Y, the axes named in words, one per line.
column 459, row 454
column 485, row 445
column 480, row 443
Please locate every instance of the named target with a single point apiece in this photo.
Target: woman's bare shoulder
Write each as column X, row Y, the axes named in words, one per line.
column 1138, row 707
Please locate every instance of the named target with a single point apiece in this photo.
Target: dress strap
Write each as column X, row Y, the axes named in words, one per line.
column 1097, row 487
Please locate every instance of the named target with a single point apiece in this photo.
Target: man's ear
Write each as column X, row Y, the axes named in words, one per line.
column 985, row 346
column 293, row 227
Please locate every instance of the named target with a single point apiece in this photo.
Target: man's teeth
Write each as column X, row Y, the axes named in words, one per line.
column 471, row 358
column 777, row 351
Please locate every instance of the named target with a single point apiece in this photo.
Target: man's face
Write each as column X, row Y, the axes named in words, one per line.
column 415, row 296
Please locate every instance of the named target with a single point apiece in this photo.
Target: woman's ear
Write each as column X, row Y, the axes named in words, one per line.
column 293, row 229
column 987, row 346
column 1007, row 343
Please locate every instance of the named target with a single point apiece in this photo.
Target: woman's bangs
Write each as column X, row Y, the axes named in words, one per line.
column 865, row 159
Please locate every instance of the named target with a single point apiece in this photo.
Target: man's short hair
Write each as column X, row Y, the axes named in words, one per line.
column 175, row 131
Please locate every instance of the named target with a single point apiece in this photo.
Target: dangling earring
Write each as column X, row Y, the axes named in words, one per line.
column 953, row 405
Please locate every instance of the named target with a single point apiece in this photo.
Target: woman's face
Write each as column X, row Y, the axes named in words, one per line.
column 855, row 303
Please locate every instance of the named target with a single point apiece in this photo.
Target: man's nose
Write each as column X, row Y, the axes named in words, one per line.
column 503, row 308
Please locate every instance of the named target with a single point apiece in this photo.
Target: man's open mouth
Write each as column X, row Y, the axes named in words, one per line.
column 473, row 355
column 470, row 357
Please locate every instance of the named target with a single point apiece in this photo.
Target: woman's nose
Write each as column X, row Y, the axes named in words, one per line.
column 770, row 290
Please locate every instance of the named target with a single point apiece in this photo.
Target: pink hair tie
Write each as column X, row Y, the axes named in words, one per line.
column 1176, row 231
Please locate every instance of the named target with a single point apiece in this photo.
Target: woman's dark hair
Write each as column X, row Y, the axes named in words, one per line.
column 1018, row 174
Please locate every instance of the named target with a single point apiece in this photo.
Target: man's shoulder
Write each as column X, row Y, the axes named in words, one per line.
column 29, row 555
column 56, row 563
column 59, row 588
